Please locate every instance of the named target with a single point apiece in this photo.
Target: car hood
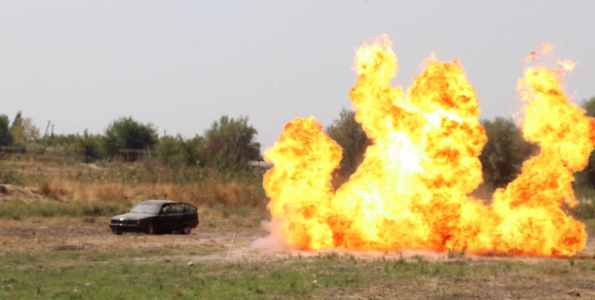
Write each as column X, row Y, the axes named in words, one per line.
column 133, row 216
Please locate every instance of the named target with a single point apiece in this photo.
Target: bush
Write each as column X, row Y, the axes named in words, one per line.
column 350, row 135
column 230, row 143
column 586, row 207
column 6, row 138
column 177, row 150
column 504, row 153
column 91, row 145
column 585, row 179
column 126, row 133
column 11, row 177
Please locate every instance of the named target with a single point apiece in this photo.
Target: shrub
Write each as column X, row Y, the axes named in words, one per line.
column 504, row 153
column 177, row 150
column 5, row 135
column 230, row 143
column 126, row 133
column 349, row 134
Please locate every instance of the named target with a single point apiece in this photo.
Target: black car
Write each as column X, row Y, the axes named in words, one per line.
column 154, row 216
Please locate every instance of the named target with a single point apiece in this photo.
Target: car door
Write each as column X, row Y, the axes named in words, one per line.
column 173, row 217
column 162, row 221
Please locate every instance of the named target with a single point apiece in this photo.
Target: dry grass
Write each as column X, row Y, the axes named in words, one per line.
column 212, row 193
column 126, row 184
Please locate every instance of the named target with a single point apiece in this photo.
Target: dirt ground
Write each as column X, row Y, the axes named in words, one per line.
column 211, row 240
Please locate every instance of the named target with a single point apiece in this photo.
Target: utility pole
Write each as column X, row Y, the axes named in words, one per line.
column 164, row 133
column 53, row 129
column 47, row 128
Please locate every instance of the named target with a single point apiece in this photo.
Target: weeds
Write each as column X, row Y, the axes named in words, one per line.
column 11, row 177
column 117, row 274
column 17, row 209
column 454, row 254
column 107, row 188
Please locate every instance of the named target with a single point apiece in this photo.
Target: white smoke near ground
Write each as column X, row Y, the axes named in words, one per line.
column 274, row 240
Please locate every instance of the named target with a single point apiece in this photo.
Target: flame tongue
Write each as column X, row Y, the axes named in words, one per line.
column 300, row 183
column 532, row 221
column 411, row 189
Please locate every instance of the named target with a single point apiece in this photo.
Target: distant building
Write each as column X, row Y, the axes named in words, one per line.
column 260, row 164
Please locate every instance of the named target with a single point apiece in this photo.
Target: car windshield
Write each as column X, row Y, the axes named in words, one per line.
column 145, row 208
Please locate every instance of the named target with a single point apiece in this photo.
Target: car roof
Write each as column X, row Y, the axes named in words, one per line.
column 158, row 201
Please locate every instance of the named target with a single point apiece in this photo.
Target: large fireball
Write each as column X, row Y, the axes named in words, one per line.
column 412, row 189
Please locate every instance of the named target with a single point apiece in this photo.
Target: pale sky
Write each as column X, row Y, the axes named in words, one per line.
column 182, row 64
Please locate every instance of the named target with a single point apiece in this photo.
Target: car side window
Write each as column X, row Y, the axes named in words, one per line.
column 165, row 208
column 177, row 208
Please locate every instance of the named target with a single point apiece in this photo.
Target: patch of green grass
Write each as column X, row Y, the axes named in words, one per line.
column 67, row 275
column 122, row 275
column 17, row 209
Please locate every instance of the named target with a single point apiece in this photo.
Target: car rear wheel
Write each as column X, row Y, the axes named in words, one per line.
column 187, row 230
column 149, row 229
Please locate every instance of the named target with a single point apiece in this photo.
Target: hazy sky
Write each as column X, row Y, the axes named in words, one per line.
column 182, row 64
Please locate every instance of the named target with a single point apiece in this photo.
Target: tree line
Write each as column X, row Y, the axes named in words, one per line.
column 228, row 144
column 231, row 142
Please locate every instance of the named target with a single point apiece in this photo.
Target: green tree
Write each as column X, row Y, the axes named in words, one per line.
column 5, row 135
column 16, row 129
column 504, row 153
column 91, row 144
column 177, row 150
column 230, row 143
column 68, row 139
column 30, row 131
column 586, row 178
column 18, row 117
column 589, row 106
column 23, row 130
column 350, row 135
column 126, row 133
column 169, row 150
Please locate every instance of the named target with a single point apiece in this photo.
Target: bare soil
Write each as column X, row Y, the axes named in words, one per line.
column 211, row 240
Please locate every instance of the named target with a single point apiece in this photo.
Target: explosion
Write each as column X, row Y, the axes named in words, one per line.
column 412, row 189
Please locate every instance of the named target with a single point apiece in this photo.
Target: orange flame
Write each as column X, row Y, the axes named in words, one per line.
column 546, row 47
column 567, row 65
column 411, row 190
